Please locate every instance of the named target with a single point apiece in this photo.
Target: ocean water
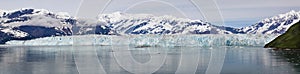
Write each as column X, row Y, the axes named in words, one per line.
column 155, row 60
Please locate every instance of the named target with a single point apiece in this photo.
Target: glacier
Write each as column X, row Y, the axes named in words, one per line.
column 152, row 40
column 40, row 27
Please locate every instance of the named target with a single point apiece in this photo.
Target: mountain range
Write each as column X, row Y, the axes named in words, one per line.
column 30, row 23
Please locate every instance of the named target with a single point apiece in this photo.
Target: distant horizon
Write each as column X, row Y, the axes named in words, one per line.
column 236, row 13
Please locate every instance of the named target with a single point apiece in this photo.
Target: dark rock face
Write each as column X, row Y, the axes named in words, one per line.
column 102, row 30
column 4, row 37
column 39, row 31
column 34, row 32
column 20, row 13
column 288, row 40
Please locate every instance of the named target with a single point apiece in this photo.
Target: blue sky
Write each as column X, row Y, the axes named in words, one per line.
column 236, row 13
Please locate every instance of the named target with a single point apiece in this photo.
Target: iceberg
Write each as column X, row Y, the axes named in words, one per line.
column 152, row 40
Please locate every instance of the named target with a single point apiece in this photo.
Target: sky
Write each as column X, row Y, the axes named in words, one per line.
column 235, row 13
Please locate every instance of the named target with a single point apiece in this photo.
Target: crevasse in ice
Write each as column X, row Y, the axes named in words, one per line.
column 153, row 40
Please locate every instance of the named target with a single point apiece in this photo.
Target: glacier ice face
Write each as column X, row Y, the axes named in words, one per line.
column 153, row 40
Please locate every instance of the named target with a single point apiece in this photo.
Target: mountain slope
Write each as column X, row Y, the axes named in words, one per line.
column 289, row 40
column 20, row 22
column 149, row 24
column 15, row 22
column 274, row 25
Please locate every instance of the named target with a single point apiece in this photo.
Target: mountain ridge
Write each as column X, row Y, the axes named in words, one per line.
column 274, row 25
column 150, row 24
column 17, row 24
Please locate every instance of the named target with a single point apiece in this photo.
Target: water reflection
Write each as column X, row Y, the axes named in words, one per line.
column 292, row 56
column 81, row 59
column 36, row 60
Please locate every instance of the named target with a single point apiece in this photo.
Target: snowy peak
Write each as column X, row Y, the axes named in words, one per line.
column 292, row 15
column 117, row 16
column 32, row 23
column 124, row 23
column 274, row 25
column 31, row 11
column 38, row 17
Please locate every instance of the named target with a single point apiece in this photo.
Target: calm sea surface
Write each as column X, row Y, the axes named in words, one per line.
column 156, row 60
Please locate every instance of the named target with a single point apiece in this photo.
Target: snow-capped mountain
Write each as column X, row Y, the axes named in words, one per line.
column 274, row 25
column 35, row 23
column 124, row 23
column 36, row 17
column 149, row 24
column 29, row 23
